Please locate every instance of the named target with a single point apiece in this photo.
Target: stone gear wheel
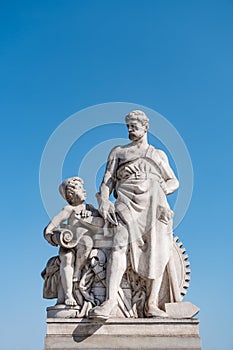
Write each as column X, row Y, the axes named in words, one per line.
column 181, row 266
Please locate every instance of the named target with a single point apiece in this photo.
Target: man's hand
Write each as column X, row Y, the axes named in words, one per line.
column 107, row 211
column 164, row 214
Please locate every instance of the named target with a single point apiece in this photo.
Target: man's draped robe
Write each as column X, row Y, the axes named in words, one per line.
column 142, row 206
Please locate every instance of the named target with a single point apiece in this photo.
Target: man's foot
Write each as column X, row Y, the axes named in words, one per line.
column 154, row 311
column 103, row 311
column 70, row 301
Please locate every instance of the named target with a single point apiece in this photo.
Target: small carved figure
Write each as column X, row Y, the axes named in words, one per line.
column 74, row 239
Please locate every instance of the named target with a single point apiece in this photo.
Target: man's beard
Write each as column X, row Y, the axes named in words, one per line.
column 132, row 137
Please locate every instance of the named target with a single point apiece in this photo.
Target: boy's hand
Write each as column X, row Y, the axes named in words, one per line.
column 85, row 213
column 49, row 238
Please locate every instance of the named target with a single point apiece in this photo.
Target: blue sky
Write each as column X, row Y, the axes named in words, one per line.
column 58, row 57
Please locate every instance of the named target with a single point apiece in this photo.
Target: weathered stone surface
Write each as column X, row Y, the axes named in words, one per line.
column 120, row 263
column 141, row 178
column 181, row 310
column 62, row 311
column 158, row 334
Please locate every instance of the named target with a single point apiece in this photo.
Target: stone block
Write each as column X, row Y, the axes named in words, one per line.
column 157, row 334
column 181, row 309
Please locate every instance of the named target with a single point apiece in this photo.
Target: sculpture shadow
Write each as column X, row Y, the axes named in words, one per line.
column 86, row 328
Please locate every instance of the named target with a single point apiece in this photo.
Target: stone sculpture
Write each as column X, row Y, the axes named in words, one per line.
column 120, row 275
column 75, row 241
column 141, row 177
column 130, row 239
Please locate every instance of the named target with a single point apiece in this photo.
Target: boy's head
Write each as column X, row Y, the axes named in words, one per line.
column 72, row 190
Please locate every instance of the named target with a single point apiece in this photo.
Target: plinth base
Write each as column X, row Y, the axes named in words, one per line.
column 118, row 333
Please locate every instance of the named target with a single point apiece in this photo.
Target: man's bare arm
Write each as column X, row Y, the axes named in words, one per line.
column 106, row 207
column 107, row 185
column 170, row 181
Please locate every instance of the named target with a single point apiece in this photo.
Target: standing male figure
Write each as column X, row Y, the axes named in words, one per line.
column 141, row 177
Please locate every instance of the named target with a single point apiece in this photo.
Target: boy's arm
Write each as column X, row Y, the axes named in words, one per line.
column 55, row 222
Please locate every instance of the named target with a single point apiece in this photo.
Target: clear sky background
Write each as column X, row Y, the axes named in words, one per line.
column 58, row 57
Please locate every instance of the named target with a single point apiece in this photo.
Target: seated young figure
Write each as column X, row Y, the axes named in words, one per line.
column 72, row 260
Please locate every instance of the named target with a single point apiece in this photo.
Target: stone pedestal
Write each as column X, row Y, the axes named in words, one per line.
column 122, row 333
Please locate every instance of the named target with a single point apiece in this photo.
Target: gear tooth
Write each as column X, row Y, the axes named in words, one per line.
column 185, row 257
column 183, row 250
column 187, row 278
column 180, row 244
column 183, row 292
column 186, row 285
column 176, row 238
column 187, row 263
column 187, row 271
